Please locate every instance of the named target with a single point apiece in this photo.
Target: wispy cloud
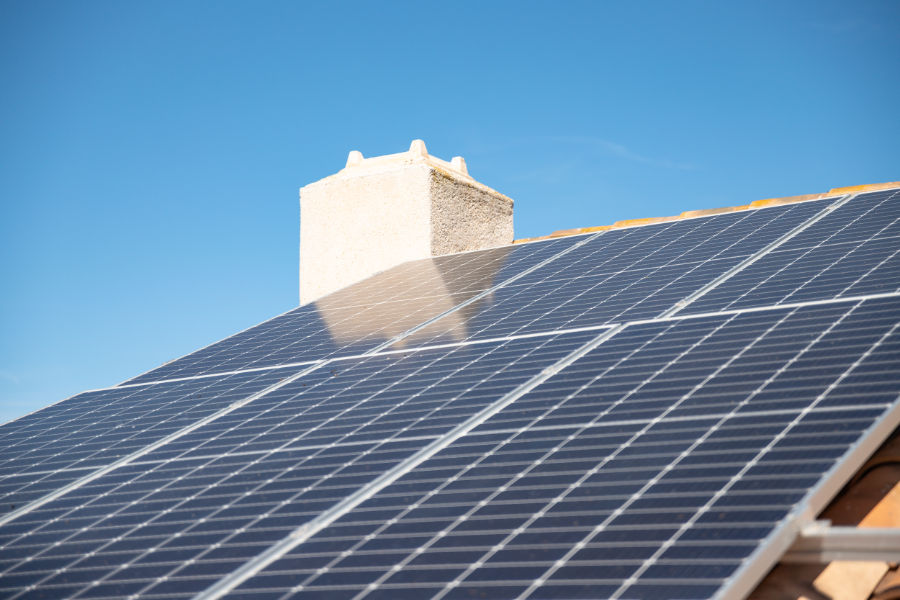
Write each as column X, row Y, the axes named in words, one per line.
column 573, row 149
column 549, row 174
column 855, row 25
column 611, row 148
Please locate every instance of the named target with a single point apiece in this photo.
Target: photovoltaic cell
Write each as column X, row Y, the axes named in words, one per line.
column 650, row 468
column 172, row 523
column 362, row 316
column 853, row 251
column 625, row 274
column 68, row 440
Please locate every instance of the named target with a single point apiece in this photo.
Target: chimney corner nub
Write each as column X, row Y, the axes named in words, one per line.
column 354, row 158
column 417, row 148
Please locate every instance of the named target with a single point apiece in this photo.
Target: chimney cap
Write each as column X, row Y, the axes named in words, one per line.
column 357, row 164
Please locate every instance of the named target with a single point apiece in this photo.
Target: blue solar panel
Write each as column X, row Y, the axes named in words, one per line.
column 359, row 318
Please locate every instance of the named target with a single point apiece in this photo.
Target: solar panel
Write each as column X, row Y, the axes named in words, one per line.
column 647, row 412
column 854, row 251
column 365, row 315
column 71, row 439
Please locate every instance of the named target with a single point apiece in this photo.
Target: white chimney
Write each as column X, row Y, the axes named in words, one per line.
column 378, row 212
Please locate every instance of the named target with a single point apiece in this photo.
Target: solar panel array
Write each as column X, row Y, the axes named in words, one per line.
column 638, row 413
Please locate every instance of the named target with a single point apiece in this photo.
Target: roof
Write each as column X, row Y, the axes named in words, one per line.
column 417, row 156
column 659, row 410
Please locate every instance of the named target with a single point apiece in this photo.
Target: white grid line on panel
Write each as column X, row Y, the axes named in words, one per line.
column 303, row 533
column 217, row 374
column 175, row 435
column 718, row 494
column 408, row 377
column 681, row 419
column 753, row 309
column 869, row 272
column 272, row 451
column 698, row 265
column 125, row 460
column 504, row 338
column 757, row 256
column 773, row 547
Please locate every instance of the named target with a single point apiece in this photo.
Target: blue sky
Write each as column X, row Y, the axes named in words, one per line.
column 151, row 153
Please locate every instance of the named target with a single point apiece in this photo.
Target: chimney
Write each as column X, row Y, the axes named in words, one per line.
column 378, row 212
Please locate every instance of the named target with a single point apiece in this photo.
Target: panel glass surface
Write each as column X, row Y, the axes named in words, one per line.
column 170, row 524
column 623, row 275
column 362, row 316
column 45, row 450
column 854, row 251
column 650, row 468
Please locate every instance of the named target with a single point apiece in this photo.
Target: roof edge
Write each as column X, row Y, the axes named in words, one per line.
column 766, row 202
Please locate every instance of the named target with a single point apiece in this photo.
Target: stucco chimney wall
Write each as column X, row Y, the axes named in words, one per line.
column 379, row 212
